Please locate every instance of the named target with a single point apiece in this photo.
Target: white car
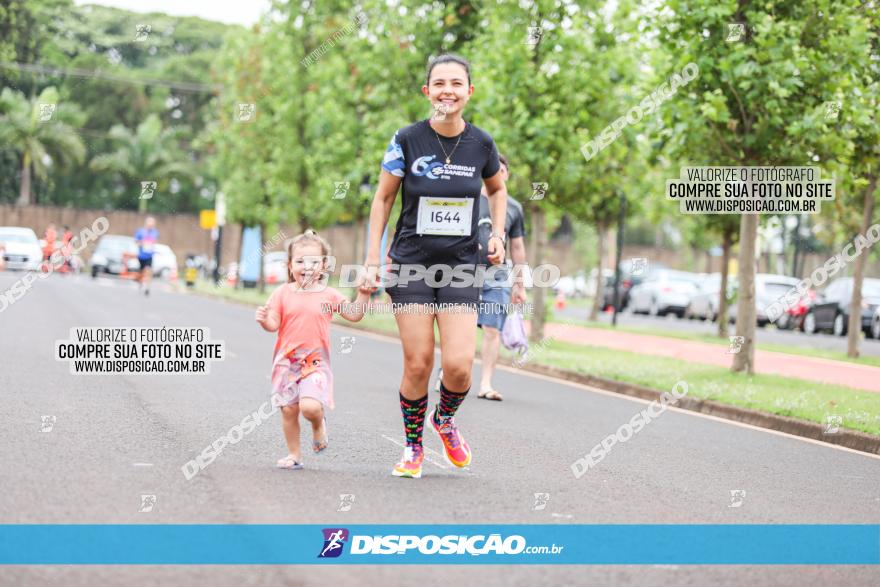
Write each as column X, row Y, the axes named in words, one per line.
column 565, row 286
column 164, row 262
column 664, row 291
column 275, row 267
column 22, row 248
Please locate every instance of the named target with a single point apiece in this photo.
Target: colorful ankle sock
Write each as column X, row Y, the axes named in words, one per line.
column 449, row 402
column 413, row 419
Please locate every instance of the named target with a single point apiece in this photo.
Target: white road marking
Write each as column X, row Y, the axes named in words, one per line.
column 393, row 339
column 142, row 464
column 432, row 461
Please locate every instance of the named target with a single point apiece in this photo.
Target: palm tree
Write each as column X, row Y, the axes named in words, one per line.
column 39, row 133
column 150, row 153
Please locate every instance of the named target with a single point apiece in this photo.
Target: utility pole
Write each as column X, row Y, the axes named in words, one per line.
column 220, row 209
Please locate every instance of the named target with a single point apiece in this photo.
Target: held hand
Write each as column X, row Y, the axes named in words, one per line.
column 370, row 282
column 496, row 250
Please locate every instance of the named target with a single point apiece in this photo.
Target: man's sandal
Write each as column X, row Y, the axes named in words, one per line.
column 490, row 394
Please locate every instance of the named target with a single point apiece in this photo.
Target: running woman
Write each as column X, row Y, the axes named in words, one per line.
column 441, row 163
column 146, row 238
column 300, row 311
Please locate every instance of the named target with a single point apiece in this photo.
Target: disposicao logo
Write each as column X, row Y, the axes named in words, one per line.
column 472, row 545
column 409, row 544
column 334, row 540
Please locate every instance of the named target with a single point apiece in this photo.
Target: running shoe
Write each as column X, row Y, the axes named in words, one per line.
column 411, row 463
column 456, row 449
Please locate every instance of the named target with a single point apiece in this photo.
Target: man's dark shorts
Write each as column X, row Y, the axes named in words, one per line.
column 145, row 262
column 495, row 297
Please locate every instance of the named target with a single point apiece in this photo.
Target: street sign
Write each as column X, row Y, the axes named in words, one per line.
column 207, row 219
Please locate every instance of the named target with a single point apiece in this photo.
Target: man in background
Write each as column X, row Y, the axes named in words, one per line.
column 146, row 238
column 496, row 292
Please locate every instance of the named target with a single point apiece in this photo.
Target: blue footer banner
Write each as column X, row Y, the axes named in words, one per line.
column 856, row 544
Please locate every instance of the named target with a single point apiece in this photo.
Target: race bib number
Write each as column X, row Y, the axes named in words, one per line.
column 147, row 247
column 444, row 216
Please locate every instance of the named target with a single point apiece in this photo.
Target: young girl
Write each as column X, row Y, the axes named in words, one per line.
column 300, row 311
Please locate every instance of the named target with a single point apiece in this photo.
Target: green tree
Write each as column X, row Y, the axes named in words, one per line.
column 757, row 96
column 525, row 99
column 150, row 153
column 861, row 126
column 40, row 132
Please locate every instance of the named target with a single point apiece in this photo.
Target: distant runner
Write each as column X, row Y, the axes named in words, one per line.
column 146, row 238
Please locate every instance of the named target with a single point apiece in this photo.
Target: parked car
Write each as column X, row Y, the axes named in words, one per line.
column 628, row 280
column 663, row 291
column 589, row 284
column 830, row 310
column 705, row 301
column 22, row 248
column 769, row 288
column 164, row 262
column 108, row 255
column 275, row 267
column 575, row 286
column 875, row 323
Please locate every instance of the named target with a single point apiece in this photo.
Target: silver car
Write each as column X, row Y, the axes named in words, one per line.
column 704, row 302
column 664, row 291
column 113, row 252
column 769, row 288
column 164, row 262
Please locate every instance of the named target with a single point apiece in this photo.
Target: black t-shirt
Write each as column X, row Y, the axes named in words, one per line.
column 439, row 199
column 514, row 225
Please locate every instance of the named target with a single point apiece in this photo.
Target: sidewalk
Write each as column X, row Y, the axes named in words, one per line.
column 766, row 362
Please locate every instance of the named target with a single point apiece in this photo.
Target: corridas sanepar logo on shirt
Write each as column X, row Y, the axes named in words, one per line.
column 423, row 166
column 334, row 541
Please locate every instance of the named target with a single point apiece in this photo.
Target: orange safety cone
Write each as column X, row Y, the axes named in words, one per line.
column 560, row 301
column 125, row 273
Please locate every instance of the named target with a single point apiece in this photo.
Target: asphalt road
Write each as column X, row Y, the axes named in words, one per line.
column 116, row 438
column 869, row 347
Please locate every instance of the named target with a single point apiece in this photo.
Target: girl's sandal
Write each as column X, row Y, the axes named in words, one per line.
column 319, row 445
column 491, row 394
column 289, row 462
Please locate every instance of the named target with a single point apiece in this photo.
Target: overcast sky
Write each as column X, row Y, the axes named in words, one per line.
column 244, row 12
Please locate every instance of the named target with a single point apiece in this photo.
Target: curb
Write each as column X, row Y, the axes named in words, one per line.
column 853, row 439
